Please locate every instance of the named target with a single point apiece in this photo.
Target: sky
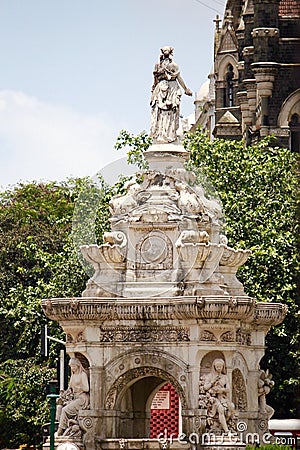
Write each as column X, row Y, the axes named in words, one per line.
column 75, row 72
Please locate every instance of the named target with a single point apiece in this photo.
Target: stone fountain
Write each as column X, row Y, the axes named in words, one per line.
column 164, row 306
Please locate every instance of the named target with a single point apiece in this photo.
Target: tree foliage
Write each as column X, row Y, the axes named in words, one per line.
column 38, row 259
column 136, row 146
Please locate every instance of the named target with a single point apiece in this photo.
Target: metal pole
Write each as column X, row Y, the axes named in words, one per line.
column 52, row 398
column 61, row 370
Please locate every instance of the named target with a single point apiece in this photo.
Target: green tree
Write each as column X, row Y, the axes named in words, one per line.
column 38, row 259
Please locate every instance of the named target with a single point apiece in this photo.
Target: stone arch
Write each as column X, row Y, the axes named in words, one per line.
column 207, row 360
column 153, row 393
column 223, row 65
column 145, row 357
column 290, row 106
column 239, row 393
column 239, row 362
column 124, row 381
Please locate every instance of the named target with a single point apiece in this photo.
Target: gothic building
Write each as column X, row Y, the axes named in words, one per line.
column 257, row 71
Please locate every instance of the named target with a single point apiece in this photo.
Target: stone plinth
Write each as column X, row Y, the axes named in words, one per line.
column 166, row 156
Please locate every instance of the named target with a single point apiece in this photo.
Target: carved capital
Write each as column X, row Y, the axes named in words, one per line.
column 265, row 73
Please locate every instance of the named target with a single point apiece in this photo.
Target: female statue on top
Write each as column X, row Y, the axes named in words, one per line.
column 165, row 99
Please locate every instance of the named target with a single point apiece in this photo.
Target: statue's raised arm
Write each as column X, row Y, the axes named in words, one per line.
column 165, row 99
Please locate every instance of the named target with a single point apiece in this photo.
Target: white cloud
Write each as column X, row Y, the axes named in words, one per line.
column 50, row 142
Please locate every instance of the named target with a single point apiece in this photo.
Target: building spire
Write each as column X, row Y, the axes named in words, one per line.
column 217, row 21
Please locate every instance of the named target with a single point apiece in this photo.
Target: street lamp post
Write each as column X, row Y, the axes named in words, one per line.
column 52, row 396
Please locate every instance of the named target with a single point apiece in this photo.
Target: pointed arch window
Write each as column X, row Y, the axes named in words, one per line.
column 294, row 125
column 228, row 97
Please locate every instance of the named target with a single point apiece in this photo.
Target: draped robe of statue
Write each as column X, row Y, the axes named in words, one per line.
column 75, row 398
column 215, row 387
column 165, row 99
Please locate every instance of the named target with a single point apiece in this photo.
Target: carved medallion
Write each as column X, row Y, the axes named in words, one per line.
column 155, row 250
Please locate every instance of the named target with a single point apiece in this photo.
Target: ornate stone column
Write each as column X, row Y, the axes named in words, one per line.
column 246, row 116
column 265, row 73
column 250, row 85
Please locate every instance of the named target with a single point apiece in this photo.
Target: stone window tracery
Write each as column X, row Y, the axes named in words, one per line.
column 228, row 97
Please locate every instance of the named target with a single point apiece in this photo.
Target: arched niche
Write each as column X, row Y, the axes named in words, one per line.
column 83, row 359
column 290, row 106
column 208, row 359
column 130, row 398
column 84, row 362
column 223, row 64
column 239, row 362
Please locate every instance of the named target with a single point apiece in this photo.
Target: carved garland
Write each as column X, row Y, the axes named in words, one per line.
column 144, row 334
column 80, row 337
column 242, row 337
column 141, row 372
column 239, row 394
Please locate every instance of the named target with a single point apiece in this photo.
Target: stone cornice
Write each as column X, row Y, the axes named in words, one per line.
column 265, row 32
column 208, row 307
column 270, row 314
column 248, row 51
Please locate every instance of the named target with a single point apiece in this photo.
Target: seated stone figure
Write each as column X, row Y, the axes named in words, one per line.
column 214, row 390
column 75, row 398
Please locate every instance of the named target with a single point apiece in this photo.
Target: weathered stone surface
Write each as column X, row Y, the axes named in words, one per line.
column 165, row 305
column 165, row 99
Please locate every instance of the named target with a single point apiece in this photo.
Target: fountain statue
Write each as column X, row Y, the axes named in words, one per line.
column 165, row 99
column 164, row 306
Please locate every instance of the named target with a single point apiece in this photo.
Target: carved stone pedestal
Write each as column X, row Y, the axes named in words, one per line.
column 165, row 306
